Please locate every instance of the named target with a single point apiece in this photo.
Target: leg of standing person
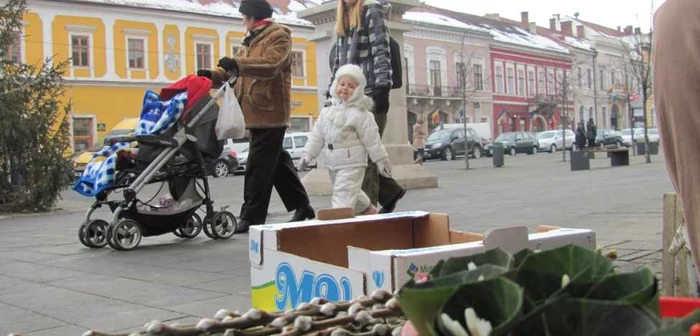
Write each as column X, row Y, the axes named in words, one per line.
column 291, row 190
column 265, row 148
column 384, row 190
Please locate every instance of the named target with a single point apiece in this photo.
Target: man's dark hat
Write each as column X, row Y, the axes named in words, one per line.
column 259, row 9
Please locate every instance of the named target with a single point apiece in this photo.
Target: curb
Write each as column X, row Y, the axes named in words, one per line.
column 39, row 214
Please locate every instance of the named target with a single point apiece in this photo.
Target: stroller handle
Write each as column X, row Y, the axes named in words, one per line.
column 219, row 93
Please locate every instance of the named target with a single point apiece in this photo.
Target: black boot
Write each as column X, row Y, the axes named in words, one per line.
column 391, row 206
column 242, row 226
column 303, row 213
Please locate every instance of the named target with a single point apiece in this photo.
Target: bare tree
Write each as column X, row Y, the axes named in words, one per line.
column 564, row 98
column 638, row 66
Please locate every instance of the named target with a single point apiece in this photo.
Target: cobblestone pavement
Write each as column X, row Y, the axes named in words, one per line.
column 51, row 285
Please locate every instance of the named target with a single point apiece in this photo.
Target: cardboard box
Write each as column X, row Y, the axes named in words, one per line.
column 340, row 259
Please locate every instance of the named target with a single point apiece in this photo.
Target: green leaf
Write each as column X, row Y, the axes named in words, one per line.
column 541, row 273
column 583, row 317
column 499, row 301
column 679, row 328
column 421, row 302
column 519, row 257
column 639, row 288
column 495, row 257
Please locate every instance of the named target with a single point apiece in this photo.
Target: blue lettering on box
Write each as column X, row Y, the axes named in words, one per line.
column 254, row 246
column 292, row 291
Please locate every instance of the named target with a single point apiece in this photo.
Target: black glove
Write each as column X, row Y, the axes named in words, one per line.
column 381, row 100
column 204, row 73
column 229, row 64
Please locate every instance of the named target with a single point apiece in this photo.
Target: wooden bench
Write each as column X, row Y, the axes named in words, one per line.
column 581, row 160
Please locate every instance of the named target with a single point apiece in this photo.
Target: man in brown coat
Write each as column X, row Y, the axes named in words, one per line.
column 676, row 74
column 263, row 65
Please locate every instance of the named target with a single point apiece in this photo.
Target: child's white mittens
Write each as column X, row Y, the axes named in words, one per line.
column 384, row 167
column 303, row 162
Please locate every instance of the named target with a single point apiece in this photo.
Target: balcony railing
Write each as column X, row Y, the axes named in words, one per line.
column 434, row 91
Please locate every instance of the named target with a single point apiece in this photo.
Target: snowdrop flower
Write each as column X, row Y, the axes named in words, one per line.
column 340, row 332
column 380, row 294
column 279, row 323
column 565, row 280
column 481, row 278
column 87, row 333
column 396, row 331
column 205, row 324
column 230, row 332
column 316, row 301
column 393, row 304
column 453, row 327
column 228, row 319
column 471, row 266
column 328, row 309
column 221, row 314
column 303, row 323
column 476, row 325
column 253, row 315
column 381, row 329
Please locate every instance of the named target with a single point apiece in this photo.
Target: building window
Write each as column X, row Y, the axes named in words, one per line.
column 436, row 77
column 581, row 117
column 14, row 52
column 540, row 81
column 83, row 133
column 235, row 50
column 560, row 82
column 499, row 79
column 297, row 63
column 613, row 80
column 550, row 82
column 478, row 77
column 604, row 116
column 602, row 80
column 531, row 83
column 511, row 81
column 300, row 124
column 204, row 55
column 460, row 74
column 579, row 80
column 484, row 119
column 591, row 115
column 137, row 53
column 80, row 47
column 521, row 82
column 589, row 81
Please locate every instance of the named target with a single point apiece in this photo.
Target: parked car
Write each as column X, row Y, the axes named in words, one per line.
column 226, row 164
column 608, row 137
column 652, row 133
column 552, row 141
column 294, row 144
column 446, row 144
column 515, row 142
column 239, row 149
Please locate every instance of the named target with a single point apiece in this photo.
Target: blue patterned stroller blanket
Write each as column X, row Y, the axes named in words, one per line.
column 156, row 117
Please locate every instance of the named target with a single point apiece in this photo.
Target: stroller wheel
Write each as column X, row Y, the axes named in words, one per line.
column 178, row 233
column 192, row 227
column 95, row 233
column 223, row 225
column 208, row 228
column 126, row 235
column 81, row 235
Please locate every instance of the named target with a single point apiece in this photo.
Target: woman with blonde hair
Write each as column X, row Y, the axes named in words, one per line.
column 419, row 140
column 363, row 40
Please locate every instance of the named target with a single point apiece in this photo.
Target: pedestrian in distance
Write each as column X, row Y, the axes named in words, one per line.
column 419, row 140
column 263, row 65
column 347, row 133
column 363, row 40
column 592, row 132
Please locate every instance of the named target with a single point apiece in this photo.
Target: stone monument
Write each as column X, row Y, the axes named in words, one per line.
column 408, row 174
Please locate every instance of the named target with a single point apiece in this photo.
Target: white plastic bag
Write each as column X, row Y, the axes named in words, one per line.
column 230, row 124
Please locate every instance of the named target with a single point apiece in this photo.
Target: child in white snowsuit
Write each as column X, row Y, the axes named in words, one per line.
column 347, row 132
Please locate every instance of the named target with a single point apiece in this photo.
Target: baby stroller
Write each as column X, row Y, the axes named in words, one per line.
column 177, row 157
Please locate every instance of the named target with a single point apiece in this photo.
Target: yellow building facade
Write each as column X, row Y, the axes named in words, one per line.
column 117, row 51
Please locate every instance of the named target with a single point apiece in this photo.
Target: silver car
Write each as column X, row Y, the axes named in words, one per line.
column 552, row 141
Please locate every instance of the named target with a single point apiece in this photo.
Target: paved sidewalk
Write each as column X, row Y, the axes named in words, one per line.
column 51, row 285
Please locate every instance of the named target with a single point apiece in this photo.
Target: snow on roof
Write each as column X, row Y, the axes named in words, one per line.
column 225, row 9
column 516, row 35
column 579, row 43
column 440, row 20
